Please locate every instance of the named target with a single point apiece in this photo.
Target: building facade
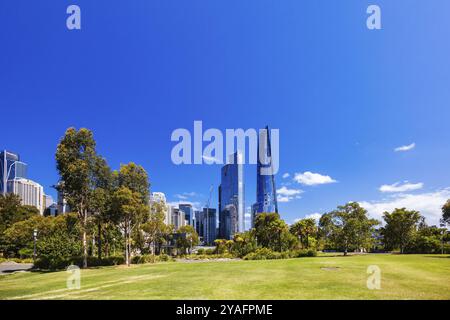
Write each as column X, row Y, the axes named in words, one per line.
column 231, row 198
column 209, row 226
column 188, row 213
column 266, row 196
column 10, row 168
column 30, row 192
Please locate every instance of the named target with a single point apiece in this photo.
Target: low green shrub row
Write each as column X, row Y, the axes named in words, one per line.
column 208, row 256
column 149, row 258
column 267, row 254
column 58, row 263
column 17, row 260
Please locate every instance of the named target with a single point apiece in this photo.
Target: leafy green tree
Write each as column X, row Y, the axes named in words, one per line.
column 400, row 228
column 78, row 166
column 154, row 228
column 11, row 212
column 244, row 243
column 188, row 238
column 348, row 227
column 304, row 229
column 131, row 212
column 273, row 233
column 446, row 212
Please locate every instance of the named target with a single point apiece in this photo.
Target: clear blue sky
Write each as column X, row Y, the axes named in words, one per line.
column 343, row 97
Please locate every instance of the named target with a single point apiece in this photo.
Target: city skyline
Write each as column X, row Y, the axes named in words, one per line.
column 362, row 114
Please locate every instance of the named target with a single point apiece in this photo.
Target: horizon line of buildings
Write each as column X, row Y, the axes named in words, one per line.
column 209, row 226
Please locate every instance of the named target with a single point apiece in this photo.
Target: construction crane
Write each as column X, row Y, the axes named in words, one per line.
column 206, row 235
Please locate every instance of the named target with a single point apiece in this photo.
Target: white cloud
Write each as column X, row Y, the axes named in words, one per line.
column 286, row 175
column 401, row 187
column 310, row 179
column 428, row 204
column 285, row 195
column 405, row 148
column 180, row 196
column 316, row 216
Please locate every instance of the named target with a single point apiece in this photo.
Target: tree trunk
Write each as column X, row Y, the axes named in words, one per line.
column 99, row 243
column 84, row 241
column 126, row 249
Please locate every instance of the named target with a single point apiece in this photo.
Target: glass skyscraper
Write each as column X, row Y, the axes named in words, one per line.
column 231, row 198
column 188, row 213
column 10, row 168
column 266, row 195
column 209, row 225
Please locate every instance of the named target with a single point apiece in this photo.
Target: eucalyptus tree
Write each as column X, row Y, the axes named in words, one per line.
column 79, row 167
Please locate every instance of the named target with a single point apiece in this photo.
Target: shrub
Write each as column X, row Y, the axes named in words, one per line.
column 263, row 254
column 303, row 253
column 58, row 263
column 149, row 258
column 201, row 251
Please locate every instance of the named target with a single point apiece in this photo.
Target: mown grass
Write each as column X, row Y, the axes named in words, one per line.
column 324, row 277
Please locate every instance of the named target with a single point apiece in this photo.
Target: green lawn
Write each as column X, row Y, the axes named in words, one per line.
column 326, row 277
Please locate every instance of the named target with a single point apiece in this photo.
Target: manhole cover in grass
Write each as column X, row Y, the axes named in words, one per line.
column 330, row 268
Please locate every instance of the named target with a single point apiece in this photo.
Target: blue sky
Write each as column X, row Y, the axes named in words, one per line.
column 343, row 97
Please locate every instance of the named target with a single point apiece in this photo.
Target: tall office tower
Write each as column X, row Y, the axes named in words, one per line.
column 231, row 197
column 30, row 192
column 209, row 225
column 188, row 213
column 10, row 168
column 266, row 196
column 198, row 222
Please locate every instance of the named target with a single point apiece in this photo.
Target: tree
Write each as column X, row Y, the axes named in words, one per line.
column 446, row 212
column 78, row 165
column 400, row 228
column 135, row 178
column 187, row 238
column 348, row 227
column 304, row 229
column 273, row 233
column 11, row 212
column 154, row 228
column 131, row 212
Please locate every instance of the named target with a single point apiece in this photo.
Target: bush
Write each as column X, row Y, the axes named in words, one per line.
column 201, row 251
column 225, row 255
column 209, row 251
column 267, row 254
column 58, row 263
column 149, row 258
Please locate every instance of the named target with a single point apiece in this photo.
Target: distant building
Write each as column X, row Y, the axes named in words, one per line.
column 177, row 217
column 188, row 213
column 10, row 168
column 62, row 205
column 209, row 226
column 266, row 197
column 198, row 222
column 30, row 192
column 231, row 198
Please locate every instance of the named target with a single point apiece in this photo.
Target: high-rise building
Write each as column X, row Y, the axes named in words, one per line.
column 266, row 196
column 209, row 226
column 10, row 168
column 198, row 222
column 231, row 198
column 188, row 213
column 30, row 192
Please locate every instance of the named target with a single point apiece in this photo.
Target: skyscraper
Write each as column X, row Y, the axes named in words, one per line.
column 209, row 225
column 266, row 197
column 188, row 212
column 10, row 168
column 231, row 197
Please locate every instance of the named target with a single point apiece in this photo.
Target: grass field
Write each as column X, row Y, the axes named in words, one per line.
column 327, row 277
